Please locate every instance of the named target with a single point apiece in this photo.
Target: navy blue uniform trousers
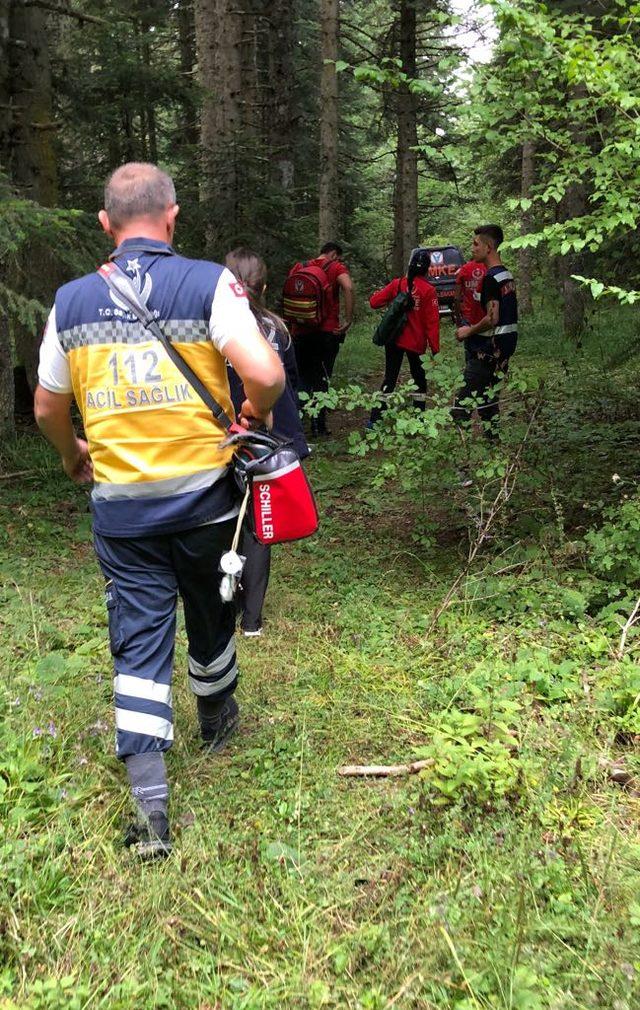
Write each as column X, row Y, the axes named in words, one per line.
column 144, row 577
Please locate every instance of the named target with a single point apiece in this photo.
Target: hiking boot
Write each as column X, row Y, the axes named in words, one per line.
column 149, row 837
column 217, row 730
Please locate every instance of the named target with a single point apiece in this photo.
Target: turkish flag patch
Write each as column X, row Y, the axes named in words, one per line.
column 238, row 289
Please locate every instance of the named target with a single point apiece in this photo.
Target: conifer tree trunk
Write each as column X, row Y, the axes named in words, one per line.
column 525, row 258
column 218, row 43
column 406, row 185
column 187, row 51
column 6, row 363
column 329, row 198
column 279, row 128
column 32, row 157
column 5, row 93
column 33, row 160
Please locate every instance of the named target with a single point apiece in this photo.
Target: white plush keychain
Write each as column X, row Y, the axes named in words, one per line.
column 232, row 563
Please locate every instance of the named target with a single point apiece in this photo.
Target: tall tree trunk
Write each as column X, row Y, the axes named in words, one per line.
column 406, row 187
column 279, row 130
column 5, row 82
column 328, row 196
column 6, row 362
column 32, row 159
column 525, row 258
column 7, row 393
column 187, row 50
column 218, row 42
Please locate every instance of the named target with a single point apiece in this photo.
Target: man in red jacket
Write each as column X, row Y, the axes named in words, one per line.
column 421, row 330
column 467, row 306
column 317, row 349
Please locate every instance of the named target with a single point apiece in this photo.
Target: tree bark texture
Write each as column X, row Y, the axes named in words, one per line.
column 7, row 428
column 406, row 184
column 33, row 159
column 328, row 196
column 525, row 258
column 5, row 78
column 218, row 42
column 187, row 51
column 279, row 130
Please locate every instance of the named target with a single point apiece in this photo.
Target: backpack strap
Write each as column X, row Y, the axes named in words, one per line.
column 120, row 285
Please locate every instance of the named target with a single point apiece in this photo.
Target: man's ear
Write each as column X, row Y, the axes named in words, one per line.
column 103, row 218
column 172, row 213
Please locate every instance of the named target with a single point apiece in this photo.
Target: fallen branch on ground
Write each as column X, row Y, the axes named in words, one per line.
column 383, row 771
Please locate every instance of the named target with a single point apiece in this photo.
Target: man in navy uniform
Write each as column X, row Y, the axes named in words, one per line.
column 163, row 500
column 491, row 341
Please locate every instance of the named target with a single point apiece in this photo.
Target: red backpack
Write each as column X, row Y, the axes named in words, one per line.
column 305, row 294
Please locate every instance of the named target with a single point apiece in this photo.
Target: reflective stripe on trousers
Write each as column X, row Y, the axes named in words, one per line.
column 145, row 576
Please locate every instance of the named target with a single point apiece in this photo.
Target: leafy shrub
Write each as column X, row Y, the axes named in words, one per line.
column 474, row 754
column 614, row 549
column 619, row 696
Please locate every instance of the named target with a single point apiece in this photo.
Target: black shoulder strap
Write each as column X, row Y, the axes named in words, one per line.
column 117, row 281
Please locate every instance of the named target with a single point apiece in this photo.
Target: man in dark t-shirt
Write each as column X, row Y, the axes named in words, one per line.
column 317, row 350
column 490, row 342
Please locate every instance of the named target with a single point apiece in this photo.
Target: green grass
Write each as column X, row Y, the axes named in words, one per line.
column 505, row 877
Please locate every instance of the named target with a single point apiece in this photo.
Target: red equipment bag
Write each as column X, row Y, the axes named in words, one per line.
column 281, row 502
column 304, row 295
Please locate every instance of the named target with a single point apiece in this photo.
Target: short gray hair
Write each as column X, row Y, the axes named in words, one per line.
column 137, row 189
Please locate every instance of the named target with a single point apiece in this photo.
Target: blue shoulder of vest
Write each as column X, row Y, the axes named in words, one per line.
column 181, row 289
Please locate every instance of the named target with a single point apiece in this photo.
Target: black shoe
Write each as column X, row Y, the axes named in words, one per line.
column 149, row 837
column 217, row 730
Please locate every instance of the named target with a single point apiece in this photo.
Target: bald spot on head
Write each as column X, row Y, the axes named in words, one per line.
column 137, row 190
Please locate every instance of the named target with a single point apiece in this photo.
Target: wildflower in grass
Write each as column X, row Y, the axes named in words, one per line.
column 51, row 729
column 37, row 731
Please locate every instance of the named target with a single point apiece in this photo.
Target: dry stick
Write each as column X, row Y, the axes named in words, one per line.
column 633, row 617
column 18, row 473
column 504, row 494
column 384, row 771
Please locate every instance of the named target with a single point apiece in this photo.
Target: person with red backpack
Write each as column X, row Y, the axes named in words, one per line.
column 311, row 307
column 421, row 331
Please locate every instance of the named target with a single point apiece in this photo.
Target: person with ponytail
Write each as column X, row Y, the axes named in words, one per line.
column 250, row 270
column 421, row 331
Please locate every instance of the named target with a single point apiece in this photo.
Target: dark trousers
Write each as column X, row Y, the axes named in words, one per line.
column 480, row 381
column 316, row 355
column 392, row 364
column 254, row 582
column 144, row 577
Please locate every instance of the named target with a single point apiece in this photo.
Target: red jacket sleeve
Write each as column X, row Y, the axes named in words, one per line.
column 431, row 319
column 385, row 295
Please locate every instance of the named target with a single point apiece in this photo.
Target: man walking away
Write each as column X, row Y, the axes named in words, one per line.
column 317, row 346
column 491, row 342
column 163, row 499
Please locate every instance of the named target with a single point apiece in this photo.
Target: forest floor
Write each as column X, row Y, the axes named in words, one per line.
column 504, row 877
